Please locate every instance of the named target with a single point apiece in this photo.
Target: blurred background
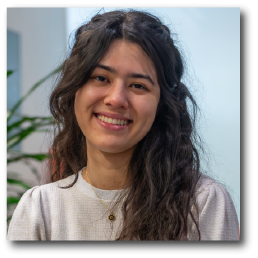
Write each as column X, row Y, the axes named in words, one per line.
column 39, row 39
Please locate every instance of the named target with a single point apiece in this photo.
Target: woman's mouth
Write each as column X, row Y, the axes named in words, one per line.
column 111, row 123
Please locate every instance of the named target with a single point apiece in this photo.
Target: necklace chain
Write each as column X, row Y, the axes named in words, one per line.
column 111, row 216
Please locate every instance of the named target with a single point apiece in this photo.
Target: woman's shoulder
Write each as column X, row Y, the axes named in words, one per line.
column 210, row 193
column 37, row 207
column 206, row 184
column 216, row 211
column 47, row 191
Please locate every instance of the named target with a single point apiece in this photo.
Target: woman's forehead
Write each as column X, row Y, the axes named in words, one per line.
column 123, row 55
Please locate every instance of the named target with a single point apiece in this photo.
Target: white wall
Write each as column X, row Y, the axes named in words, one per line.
column 210, row 40
column 43, row 47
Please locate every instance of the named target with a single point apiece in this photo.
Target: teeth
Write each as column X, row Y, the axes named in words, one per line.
column 112, row 121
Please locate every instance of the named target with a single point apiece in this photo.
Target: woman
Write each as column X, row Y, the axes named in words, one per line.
column 124, row 162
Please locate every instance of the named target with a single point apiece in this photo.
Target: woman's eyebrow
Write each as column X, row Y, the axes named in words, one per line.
column 131, row 75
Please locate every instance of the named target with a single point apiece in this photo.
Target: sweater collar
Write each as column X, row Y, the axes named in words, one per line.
column 107, row 195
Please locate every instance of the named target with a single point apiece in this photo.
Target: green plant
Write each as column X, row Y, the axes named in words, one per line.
column 18, row 130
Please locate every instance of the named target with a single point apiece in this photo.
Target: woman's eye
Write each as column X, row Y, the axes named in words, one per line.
column 138, row 86
column 100, row 78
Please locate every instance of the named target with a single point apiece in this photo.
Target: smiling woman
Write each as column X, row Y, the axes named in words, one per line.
column 124, row 161
column 109, row 97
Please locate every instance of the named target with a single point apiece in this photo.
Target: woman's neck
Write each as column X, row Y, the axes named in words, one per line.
column 104, row 179
column 107, row 171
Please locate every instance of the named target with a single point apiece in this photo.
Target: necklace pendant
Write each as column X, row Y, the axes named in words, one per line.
column 111, row 217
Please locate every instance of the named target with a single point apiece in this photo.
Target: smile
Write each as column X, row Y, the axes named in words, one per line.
column 112, row 124
column 112, row 121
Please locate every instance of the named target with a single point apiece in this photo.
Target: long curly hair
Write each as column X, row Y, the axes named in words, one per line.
column 164, row 168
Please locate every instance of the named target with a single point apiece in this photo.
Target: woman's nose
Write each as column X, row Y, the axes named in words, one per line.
column 117, row 96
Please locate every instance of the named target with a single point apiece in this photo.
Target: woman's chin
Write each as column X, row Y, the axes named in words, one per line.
column 115, row 148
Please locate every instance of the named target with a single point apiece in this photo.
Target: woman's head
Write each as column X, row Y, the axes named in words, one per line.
column 97, row 78
column 140, row 33
column 122, row 88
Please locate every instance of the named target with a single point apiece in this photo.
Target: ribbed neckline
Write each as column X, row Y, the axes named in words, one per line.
column 108, row 195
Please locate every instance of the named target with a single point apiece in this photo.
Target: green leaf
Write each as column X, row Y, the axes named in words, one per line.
column 8, row 219
column 35, row 86
column 39, row 121
column 11, row 142
column 8, row 114
column 12, row 200
column 38, row 157
column 17, row 182
column 9, row 73
column 15, row 139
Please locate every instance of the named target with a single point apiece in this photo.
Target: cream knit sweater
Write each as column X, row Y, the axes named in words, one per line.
column 48, row 212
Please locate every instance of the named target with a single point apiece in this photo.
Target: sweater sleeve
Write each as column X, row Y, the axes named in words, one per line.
column 27, row 222
column 217, row 215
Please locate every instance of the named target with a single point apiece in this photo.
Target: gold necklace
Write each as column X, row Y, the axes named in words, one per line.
column 111, row 217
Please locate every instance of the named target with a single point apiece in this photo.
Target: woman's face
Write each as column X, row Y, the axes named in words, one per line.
column 123, row 89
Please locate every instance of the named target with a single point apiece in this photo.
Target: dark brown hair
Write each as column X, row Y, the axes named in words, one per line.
column 164, row 168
